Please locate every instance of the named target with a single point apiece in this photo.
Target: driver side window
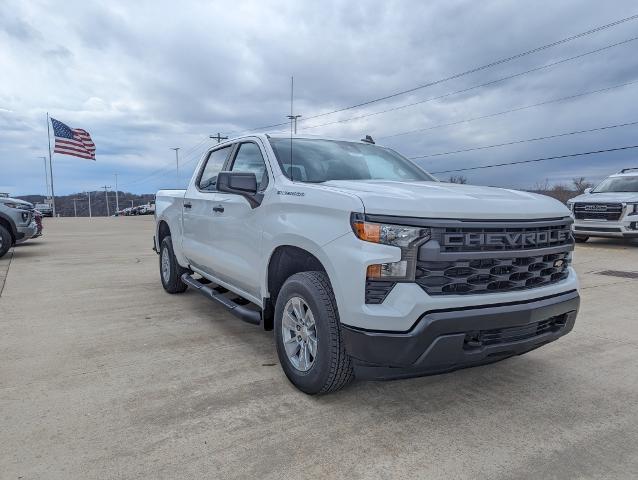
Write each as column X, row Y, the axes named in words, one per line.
column 214, row 164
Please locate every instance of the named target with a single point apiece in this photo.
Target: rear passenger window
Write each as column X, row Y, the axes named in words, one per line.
column 214, row 165
column 250, row 160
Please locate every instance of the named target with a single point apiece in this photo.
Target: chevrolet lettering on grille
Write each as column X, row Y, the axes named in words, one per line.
column 509, row 239
column 597, row 208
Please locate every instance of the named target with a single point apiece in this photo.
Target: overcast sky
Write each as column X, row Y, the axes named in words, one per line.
column 145, row 76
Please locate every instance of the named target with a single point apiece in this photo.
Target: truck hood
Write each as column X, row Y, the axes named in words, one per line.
column 608, row 197
column 449, row 200
column 16, row 200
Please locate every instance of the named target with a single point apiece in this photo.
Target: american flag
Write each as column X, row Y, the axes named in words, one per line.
column 72, row 141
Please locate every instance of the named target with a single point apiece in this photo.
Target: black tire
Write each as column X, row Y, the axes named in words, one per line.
column 581, row 239
column 331, row 369
column 5, row 241
column 172, row 281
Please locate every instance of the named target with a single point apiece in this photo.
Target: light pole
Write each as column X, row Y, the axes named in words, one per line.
column 294, row 119
column 117, row 202
column 75, row 208
column 106, row 196
column 176, row 160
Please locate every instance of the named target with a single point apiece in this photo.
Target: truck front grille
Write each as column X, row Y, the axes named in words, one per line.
column 489, row 275
column 598, row 211
column 474, row 257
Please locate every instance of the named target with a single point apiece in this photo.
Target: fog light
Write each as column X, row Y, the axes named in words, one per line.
column 25, row 216
column 394, row 270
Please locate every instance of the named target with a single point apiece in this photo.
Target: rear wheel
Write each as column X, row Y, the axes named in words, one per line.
column 308, row 335
column 5, row 240
column 170, row 271
column 581, row 239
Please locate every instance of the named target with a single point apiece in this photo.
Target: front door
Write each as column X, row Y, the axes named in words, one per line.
column 239, row 227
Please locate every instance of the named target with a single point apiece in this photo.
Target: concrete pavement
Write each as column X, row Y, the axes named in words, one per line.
column 103, row 375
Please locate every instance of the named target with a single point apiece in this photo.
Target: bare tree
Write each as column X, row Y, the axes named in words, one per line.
column 542, row 186
column 581, row 184
column 458, row 179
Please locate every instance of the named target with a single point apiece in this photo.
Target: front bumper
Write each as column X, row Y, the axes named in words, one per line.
column 619, row 229
column 24, row 233
column 450, row 339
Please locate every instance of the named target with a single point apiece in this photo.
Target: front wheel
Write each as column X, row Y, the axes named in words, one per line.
column 5, row 241
column 308, row 335
column 170, row 271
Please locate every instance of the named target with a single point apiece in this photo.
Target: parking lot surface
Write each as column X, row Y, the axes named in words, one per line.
column 103, row 375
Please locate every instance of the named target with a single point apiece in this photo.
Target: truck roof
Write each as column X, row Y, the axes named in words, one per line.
column 626, row 172
column 266, row 135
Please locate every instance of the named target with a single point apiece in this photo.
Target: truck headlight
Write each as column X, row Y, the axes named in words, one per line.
column 407, row 238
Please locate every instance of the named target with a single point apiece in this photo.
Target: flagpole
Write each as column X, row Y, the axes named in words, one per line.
column 51, row 165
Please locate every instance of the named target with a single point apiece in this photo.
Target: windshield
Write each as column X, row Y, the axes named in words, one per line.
column 315, row 160
column 617, row 184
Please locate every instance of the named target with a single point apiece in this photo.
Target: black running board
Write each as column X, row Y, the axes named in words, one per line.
column 240, row 311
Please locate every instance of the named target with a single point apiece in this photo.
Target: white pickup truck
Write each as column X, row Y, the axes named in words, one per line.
column 363, row 263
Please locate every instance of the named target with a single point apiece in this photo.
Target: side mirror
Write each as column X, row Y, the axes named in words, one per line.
column 587, row 191
column 240, row 183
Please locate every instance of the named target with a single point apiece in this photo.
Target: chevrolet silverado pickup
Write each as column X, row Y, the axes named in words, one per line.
column 362, row 263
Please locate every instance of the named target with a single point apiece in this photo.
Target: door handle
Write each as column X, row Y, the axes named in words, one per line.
column 218, row 209
column 188, row 205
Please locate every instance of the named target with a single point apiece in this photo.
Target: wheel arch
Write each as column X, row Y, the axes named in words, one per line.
column 163, row 230
column 9, row 225
column 285, row 261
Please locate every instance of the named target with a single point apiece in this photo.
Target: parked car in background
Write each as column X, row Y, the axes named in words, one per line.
column 45, row 209
column 608, row 210
column 17, row 222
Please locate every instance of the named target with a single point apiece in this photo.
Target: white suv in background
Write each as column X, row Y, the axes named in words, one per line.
column 608, row 210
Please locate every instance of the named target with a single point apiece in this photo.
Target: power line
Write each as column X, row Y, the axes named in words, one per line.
column 482, row 117
column 535, row 160
column 535, row 139
column 464, row 73
column 464, row 90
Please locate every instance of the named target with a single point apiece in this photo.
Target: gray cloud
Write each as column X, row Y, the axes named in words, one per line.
column 146, row 76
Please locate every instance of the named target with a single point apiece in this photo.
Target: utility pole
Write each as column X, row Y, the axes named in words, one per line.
column 131, row 203
column 176, row 160
column 117, row 202
column 89, row 195
column 106, row 196
column 218, row 137
column 75, row 208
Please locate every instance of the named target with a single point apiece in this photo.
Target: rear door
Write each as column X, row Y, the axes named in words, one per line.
column 239, row 226
column 199, row 226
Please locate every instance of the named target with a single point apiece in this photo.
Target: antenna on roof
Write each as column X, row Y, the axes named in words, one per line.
column 292, row 118
column 368, row 139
